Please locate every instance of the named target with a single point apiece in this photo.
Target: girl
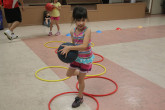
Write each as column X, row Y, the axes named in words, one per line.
column 81, row 37
column 55, row 17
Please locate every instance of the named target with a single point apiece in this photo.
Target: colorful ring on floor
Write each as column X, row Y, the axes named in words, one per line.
column 72, row 92
column 51, row 42
column 99, row 56
column 66, row 77
column 100, row 73
column 56, row 51
column 92, row 44
column 96, row 63
column 100, row 95
column 50, row 80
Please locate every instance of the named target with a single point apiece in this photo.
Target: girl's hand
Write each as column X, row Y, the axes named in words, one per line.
column 65, row 50
column 54, row 7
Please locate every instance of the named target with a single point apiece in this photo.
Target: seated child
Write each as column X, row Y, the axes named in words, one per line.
column 47, row 19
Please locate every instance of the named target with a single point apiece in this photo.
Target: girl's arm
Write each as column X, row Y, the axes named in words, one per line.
column 22, row 4
column 46, row 20
column 87, row 37
column 71, row 33
column 59, row 7
column 86, row 40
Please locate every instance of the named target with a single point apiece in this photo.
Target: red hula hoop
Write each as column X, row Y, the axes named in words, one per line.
column 72, row 92
column 99, row 95
column 99, row 56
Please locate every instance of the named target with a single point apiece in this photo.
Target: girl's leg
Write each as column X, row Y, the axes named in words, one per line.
column 58, row 27
column 72, row 72
column 79, row 98
column 51, row 25
column 81, row 84
column 57, row 24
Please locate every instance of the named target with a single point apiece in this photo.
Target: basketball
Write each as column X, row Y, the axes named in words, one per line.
column 71, row 56
column 49, row 7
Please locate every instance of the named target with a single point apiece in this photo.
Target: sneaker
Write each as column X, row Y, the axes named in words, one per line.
column 14, row 36
column 50, row 34
column 77, row 102
column 57, row 34
column 8, row 33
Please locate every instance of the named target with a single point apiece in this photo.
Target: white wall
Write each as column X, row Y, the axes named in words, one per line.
column 116, row 1
column 148, row 5
column 156, row 7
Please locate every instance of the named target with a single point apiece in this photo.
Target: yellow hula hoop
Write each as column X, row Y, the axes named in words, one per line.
column 100, row 73
column 50, row 80
column 51, row 42
column 92, row 44
column 65, row 68
column 61, row 42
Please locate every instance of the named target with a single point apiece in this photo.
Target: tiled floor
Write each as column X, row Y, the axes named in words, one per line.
column 134, row 58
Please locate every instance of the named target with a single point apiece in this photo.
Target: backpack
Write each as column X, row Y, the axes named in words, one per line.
column 1, row 20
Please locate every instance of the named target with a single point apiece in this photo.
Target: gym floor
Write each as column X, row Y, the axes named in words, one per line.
column 133, row 57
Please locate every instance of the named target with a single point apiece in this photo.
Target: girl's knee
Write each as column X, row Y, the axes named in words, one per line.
column 70, row 72
column 68, row 75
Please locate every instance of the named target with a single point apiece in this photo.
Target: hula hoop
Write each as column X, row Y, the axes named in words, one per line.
column 64, row 68
column 100, row 95
column 72, row 92
column 92, row 44
column 100, row 73
column 99, row 56
column 51, row 42
column 56, row 51
column 61, row 42
column 50, row 80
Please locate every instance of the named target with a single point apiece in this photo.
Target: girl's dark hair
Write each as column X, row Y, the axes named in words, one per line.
column 79, row 13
